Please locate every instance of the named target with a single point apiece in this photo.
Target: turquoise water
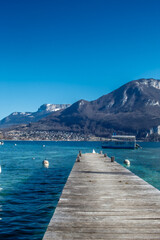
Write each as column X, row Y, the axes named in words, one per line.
column 29, row 192
column 145, row 162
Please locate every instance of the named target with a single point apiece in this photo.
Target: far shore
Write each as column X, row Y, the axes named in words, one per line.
column 43, row 140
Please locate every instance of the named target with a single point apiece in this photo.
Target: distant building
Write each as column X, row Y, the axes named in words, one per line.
column 1, row 135
column 155, row 130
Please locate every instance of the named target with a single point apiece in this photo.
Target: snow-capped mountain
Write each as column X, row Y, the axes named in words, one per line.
column 52, row 107
column 17, row 118
column 132, row 108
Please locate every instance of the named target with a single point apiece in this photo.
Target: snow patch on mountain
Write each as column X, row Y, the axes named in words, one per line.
column 52, row 107
column 151, row 83
column 111, row 104
column 152, row 103
column 125, row 98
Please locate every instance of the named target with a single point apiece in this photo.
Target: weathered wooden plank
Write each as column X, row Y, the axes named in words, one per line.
column 103, row 200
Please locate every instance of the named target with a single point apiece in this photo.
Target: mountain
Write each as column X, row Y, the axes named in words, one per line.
column 132, row 108
column 17, row 118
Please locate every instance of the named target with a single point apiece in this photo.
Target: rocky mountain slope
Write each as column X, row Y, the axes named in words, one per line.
column 132, row 108
column 17, row 118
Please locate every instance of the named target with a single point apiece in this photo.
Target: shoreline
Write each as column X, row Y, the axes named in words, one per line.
column 43, row 140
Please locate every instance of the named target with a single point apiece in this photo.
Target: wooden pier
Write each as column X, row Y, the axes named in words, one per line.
column 104, row 200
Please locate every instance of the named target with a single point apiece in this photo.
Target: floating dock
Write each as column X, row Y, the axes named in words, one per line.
column 104, row 200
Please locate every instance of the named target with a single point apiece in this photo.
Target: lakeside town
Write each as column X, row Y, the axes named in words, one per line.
column 48, row 136
column 15, row 135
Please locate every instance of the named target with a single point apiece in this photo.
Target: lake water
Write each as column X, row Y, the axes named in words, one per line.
column 29, row 192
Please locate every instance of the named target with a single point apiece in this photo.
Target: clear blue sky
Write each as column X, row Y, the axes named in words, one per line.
column 60, row 51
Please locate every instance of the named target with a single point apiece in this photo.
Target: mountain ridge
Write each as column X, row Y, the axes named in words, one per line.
column 132, row 108
column 17, row 118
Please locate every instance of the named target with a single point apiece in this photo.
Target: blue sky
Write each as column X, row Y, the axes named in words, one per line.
column 58, row 51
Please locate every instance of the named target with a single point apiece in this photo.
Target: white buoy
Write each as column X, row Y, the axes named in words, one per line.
column 127, row 162
column 43, row 145
column 33, row 158
column 93, row 151
column 45, row 163
column 15, row 144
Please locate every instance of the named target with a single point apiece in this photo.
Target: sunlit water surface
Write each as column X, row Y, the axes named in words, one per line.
column 29, row 192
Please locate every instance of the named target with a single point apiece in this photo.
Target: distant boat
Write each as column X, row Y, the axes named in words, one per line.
column 121, row 142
